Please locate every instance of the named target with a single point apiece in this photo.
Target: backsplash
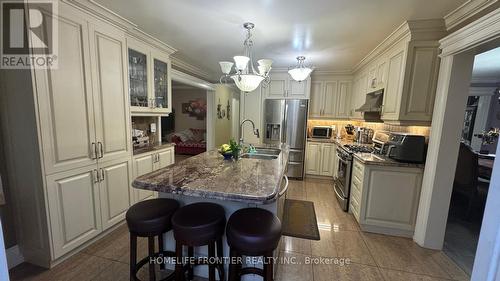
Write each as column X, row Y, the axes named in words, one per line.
column 417, row 130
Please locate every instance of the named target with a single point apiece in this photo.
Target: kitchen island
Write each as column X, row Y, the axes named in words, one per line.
column 256, row 181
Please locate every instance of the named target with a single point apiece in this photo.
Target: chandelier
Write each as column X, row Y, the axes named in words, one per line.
column 300, row 72
column 246, row 78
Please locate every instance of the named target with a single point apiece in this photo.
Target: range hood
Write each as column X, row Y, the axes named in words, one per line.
column 373, row 106
column 373, row 102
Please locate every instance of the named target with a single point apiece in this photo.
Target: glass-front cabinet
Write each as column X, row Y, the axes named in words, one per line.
column 149, row 79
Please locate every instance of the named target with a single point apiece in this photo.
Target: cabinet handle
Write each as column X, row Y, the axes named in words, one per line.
column 94, row 151
column 96, row 176
column 102, row 174
column 101, row 150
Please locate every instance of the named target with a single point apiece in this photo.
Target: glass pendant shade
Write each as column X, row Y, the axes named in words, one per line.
column 241, row 62
column 246, row 76
column 300, row 74
column 247, row 82
column 226, row 66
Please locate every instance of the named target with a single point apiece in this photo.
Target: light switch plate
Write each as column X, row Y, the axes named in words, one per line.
column 153, row 127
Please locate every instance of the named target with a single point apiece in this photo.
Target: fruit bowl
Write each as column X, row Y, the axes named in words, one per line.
column 227, row 155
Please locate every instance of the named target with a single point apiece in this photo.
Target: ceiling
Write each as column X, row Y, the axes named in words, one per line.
column 487, row 67
column 334, row 35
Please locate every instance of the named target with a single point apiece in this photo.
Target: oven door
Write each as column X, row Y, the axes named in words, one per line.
column 343, row 181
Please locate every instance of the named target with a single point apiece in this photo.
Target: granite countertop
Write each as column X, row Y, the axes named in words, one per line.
column 208, row 175
column 152, row 148
column 381, row 160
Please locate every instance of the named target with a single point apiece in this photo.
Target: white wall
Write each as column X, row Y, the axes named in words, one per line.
column 182, row 120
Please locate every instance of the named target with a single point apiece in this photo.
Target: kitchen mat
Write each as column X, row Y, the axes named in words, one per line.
column 299, row 220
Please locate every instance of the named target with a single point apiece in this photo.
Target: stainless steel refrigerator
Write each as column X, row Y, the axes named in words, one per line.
column 285, row 121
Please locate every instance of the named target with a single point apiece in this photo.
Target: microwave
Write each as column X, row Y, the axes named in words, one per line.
column 322, row 132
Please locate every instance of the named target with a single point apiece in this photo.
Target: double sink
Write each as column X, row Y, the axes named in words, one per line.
column 263, row 153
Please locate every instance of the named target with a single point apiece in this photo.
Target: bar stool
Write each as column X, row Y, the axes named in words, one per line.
column 195, row 225
column 149, row 219
column 252, row 232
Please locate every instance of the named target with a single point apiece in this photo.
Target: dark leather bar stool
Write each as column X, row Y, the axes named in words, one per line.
column 252, row 232
column 150, row 218
column 195, row 225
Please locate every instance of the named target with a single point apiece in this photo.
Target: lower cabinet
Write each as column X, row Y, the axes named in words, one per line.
column 384, row 199
column 147, row 163
column 320, row 159
column 83, row 202
column 115, row 195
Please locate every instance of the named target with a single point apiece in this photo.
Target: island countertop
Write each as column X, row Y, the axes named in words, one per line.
column 208, row 175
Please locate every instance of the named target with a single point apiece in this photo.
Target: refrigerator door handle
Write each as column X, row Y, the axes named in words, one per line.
column 285, row 123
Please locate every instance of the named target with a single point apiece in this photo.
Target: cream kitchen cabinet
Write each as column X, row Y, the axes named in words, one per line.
column 320, row 158
column 69, row 141
column 406, row 66
column 359, row 95
column 330, row 99
column 384, row 199
column 109, row 60
column 149, row 79
column 282, row 86
column 85, row 201
column 411, row 84
column 74, row 208
column 115, row 194
column 80, row 121
column 148, row 162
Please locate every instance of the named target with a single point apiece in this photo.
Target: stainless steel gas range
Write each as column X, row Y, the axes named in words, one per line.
column 342, row 182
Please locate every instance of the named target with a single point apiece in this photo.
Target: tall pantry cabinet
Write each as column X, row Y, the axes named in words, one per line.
column 68, row 139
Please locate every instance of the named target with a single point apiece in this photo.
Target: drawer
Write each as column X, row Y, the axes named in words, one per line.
column 355, row 192
column 356, row 184
column 357, row 167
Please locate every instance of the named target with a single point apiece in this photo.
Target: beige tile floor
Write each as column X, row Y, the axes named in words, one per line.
column 372, row 257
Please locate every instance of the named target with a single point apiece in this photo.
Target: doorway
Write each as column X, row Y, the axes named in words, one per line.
column 476, row 155
column 457, row 58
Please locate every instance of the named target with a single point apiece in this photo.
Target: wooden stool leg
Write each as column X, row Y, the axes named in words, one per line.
column 268, row 268
column 133, row 256
column 220, row 255
column 211, row 267
column 234, row 267
column 179, row 268
column 160, row 249
column 151, row 252
column 190, row 265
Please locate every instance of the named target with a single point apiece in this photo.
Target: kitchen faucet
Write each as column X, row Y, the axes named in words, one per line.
column 255, row 131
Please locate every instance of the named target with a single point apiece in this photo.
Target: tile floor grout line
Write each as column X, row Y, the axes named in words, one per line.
column 421, row 274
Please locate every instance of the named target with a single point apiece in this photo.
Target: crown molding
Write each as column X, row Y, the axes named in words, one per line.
column 472, row 35
column 465, row 11
column 101, row 12
column 191, row 80
column 190, row 68
column 430, row 29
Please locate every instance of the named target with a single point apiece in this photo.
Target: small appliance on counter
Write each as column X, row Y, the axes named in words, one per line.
column 350, row 132
column 322, row 132
column 406, row 148
column 139, row 139
column 364, row 135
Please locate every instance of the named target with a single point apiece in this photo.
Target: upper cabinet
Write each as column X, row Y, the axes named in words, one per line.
column 149, row 79
column 330, row 98
column 282, row 86
column 406, row 66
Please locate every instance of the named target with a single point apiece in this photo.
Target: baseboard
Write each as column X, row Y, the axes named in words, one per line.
column 14, row 256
